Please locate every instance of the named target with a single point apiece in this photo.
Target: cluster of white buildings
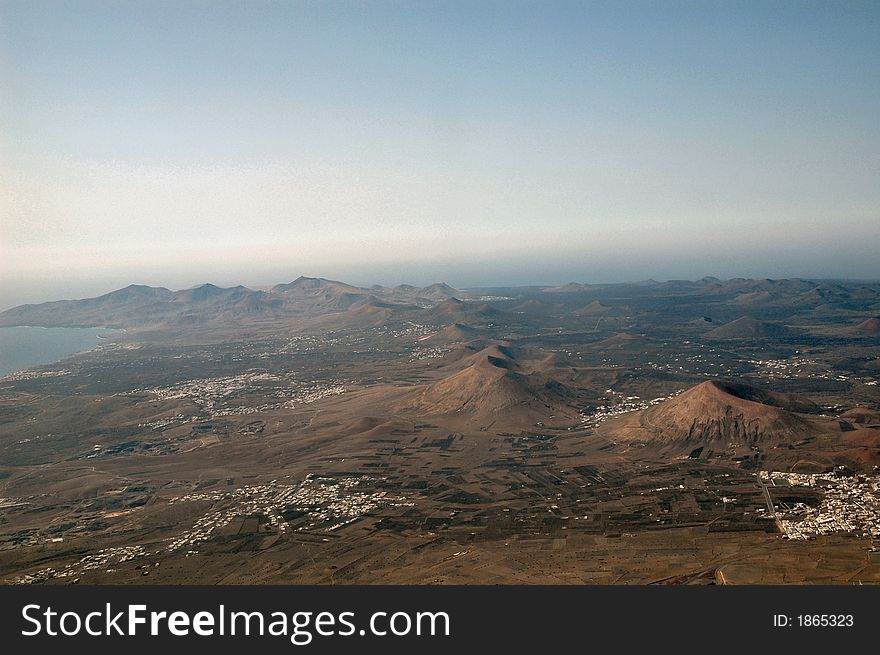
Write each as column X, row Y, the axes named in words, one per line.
column 313, row 392
column 162, row 423
column 330, row 503
column 800, row 367
column 409, row 330
column 29, row 374
column 327, row 503
column 304, row 343
column 206, row 392
column 788, row 369
column 422, row 353
column 617, row 405
column 849, row 504
column 699, row 364
column 105, row 559
column 299, row 395
column 213, row 395
column 266, row 499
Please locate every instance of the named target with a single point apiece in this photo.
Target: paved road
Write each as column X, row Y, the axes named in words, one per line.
column 769, row 500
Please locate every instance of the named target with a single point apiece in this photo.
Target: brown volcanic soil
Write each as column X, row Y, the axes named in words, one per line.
column 496, row 383
column 369, row 313
column 788, row 401
column 728, row 420
column 721, row 411
column 859, row 449
column 870, row 327
column 454, row 332
column 863, row 438
column 862, row 415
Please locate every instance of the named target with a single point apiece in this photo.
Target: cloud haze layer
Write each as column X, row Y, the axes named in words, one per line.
column 481, row 143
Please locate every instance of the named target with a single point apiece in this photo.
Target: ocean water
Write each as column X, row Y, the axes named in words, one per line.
column 25, row 347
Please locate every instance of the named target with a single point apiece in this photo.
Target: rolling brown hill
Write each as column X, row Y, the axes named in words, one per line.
column 594, row 308
column 453, row 333
column 870, row 327
column 453, row 310
column 731, row 420
column 439, row 291
column 370, row 312
column 496, row 383
column 747, row 327
column 757, row 298
column 862, row 416
column 721, row 412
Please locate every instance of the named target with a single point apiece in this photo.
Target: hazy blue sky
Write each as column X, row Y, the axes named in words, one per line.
column 478, row 143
